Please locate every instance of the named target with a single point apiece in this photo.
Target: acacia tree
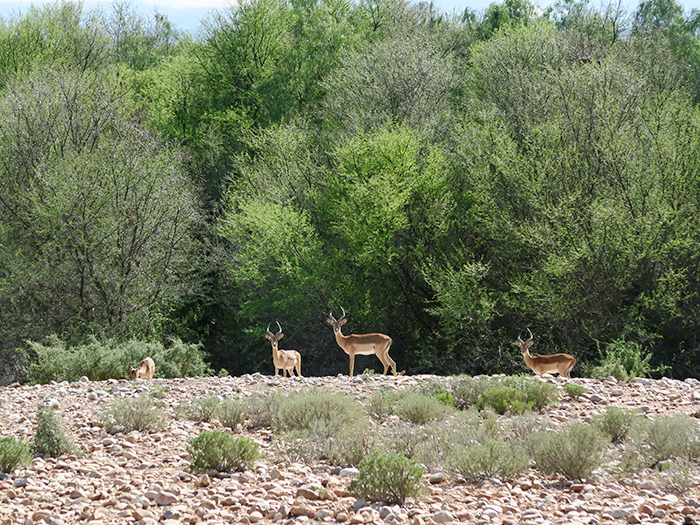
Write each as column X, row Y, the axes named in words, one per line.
column 96, row 215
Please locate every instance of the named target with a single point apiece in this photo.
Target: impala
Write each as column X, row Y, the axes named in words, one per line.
column 145, row 370
column 362, row 344
column 545, row 364
column 287, row 360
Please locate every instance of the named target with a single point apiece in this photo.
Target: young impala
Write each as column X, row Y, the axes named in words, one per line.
column 545, row 364
column 362, row 344
column 287, row 360
column 145, row 370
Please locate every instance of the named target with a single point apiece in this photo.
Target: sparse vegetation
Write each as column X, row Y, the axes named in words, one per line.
column 133, row 413
column 200, row 409
column 574, row 390
column 575, row 452
column 388, row 477
column 14, row 453
column 50, row 439
column 616, row 422
column 493, row 458
column 221, row 452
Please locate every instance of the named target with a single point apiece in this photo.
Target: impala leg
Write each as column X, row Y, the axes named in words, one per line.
column 352, row 363
column 299, row 366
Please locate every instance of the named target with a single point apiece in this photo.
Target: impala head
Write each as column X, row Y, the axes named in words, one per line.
column 524, row 345
column 274, row 338
column 132, row 372
column 336, row 323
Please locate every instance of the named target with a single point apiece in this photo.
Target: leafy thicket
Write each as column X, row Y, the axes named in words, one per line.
column 448, row 179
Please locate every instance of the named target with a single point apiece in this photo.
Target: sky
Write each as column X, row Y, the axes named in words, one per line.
column 186, row 14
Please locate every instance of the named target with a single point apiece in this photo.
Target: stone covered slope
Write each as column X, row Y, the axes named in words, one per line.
column 143, row 478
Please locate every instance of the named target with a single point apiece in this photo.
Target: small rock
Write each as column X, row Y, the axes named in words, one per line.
column 202, row 481
column 348, row 472
column 165, row 498
column 443, row 517
column 437, row 477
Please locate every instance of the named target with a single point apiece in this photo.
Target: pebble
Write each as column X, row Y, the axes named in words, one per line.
column 142, row 478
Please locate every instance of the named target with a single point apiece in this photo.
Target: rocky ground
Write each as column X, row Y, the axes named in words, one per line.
column 143, row 478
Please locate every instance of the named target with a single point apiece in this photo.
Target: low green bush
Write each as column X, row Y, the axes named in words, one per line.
column 676, row 478
column 200, row 409
column 624, row 360
column 215, row 450
column 468, row 390
column 669, row 437
column 482, row 461
column 13, row 454
column 306, row 409
column 575, row 452
column 133, row 413
column 56, row 361
column 504, row 399
column 388, row 477
column 574, row 390
column 419, row 409
column 232, row 412
column 50, row 439
column 381, row 404
column 616, row 422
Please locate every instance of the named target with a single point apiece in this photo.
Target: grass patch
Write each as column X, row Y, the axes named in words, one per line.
column 388, row 477
column 133, row 413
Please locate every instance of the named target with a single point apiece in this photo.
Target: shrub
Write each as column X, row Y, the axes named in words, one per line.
column 615, row 422
column 446, row 398
column 493, row 458
column 676, row 478
column 305, row 409
column 381, row 404
column 388, row 477
column 260, row 409
column 200, row 409
column 50, row 440
column 503, row 399
column 232, row 412
column 133, row 413
column 221, row 452
column 574, row 452
column 419, row 409
column 55, row 361
column 529, row 431
column 468, row 390
column 574, row 390
column 350, row 444
column 13, row 454
column 540, row 394
column 670, row 437
column 624, row 360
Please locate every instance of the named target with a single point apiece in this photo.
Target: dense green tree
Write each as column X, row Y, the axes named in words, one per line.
column 97, row 215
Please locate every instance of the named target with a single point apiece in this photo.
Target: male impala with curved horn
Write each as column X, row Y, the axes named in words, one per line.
column 362, row 344
column 546, row 364
column 287, row 360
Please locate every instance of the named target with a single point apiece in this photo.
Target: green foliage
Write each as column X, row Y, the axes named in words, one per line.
column 388, row 477
column 492, row 458
column 222, row 452
column 307, row 409
column 503, row 399
column 419, row 409
column 574, row 390
column 14, row 453
column 56, row 361
column 232, row 412
column 677, row 478
column 109, row 202
column 200, row 409
column 616, row 423
column 574, row 452
column 381, row 403
column 468, row 390
column 133, row 413
column 624, row 360
column 669, row 437
column 50, row 439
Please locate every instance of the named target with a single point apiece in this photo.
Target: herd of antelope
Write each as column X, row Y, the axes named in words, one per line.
column 289, row 361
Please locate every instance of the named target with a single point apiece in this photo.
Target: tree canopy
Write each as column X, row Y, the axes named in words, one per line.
column 448, row 179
